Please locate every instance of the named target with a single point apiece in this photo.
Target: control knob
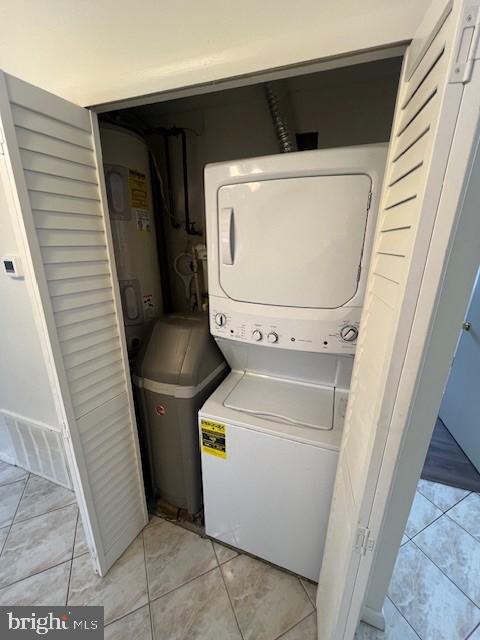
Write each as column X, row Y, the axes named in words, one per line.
column 220, row 319
column 349, row 333
column 257, row 335
column 272, row 337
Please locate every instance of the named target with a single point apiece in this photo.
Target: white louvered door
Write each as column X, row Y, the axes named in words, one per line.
column 428, row 113
column 55, row 172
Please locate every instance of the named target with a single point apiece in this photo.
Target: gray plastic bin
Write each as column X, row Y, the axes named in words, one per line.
column 179, row 368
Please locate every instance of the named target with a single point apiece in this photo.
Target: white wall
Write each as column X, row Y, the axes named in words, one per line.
column 94, row 52
column 24, row 385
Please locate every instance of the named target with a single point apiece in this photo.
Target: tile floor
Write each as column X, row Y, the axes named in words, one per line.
column 173, row 585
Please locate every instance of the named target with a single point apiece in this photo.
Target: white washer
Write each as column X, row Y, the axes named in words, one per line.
column 289, row 240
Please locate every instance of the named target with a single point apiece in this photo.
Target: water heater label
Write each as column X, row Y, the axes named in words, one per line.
column 214, row 438
column 137, row 186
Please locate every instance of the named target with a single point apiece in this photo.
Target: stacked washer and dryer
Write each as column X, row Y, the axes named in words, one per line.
column 289, row 239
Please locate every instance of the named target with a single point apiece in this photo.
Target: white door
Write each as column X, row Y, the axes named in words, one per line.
column 53, row 155
column 460, row 410
column 263, row 222
column 436, row 111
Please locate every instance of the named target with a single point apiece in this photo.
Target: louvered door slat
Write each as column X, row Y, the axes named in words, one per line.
column 395, row 242
column 34, row 121
column 417, row 130
column 78, row 285
column 89, row 354
column 66, row 318
column 87, row 401
column 57, row 167
column 96, row 377
column 69, row 270
column 399, row 217
column 60, row 185
column 86, row 327
column 42, row 201
column 87, row 369
column 427, row 63
column 72, row 345
column 49, row 146
column 73, row 253
column 403, row 189
column 410, row 161
column 25, row 95
column 54, row 162
column 67, row 221
column 71, row 237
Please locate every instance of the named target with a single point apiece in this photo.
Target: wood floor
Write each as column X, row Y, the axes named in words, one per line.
column 446, row 462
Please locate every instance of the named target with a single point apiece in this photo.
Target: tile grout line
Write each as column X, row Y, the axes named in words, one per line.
column 215, row 554
column 37, row 573
column 7, row 484
column 445, row 485
column 102, row 577
column 387, row 597
column 284, row 633
column 446, row 575
column 73, row 553
column 308, row 596
column 462, row 500
column 184, row 584
column 125, row 615
column 189, row 582
column 13, row 518
column 45, row 512
column 472, row 632
column 417, row 490
column 452, row 520
column 228, row 593
column 152, row 631
column 426, row 526
column 462, row 527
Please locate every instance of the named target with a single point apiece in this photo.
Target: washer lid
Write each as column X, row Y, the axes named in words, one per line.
column 294, row 242
column 286, row 401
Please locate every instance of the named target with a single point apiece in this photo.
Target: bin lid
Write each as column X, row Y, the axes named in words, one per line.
column 180, row 351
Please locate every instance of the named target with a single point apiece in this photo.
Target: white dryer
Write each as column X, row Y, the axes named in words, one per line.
column 289, row 240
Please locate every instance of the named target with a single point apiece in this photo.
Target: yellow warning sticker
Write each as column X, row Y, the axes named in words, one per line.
column 137, row 186
column 214, row 438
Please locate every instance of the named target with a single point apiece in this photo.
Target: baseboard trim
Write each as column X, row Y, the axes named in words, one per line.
column 373, row 618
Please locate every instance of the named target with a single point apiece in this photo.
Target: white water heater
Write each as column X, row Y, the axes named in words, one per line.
column 132, row 219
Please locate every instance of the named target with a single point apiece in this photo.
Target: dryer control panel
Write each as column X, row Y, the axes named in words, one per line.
column 330, row 335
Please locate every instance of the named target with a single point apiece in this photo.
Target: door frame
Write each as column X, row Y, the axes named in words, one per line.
column 394, row 50
column 452, row 262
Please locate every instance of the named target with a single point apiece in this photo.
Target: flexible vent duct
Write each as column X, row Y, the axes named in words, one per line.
column 281, row 127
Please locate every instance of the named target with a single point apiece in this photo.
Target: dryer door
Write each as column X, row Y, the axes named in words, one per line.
column 293, row 242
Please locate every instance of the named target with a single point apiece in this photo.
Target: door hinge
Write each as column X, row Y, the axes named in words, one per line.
column 363, row 541
column 467, row 46
column 2, row 141
column 369, row 201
